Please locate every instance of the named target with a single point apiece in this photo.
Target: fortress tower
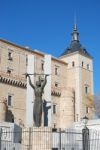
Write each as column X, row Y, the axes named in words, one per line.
column 79, row 76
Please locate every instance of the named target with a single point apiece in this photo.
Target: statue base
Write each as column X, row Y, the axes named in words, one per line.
column 37, row 138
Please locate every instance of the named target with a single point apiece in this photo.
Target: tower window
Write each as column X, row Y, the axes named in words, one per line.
column 88, row 66
column 73, row 63
column 9, row 100
column 86, row 89
column 82, row 63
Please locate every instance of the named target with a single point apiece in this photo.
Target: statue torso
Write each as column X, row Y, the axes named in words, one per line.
column 38, row 92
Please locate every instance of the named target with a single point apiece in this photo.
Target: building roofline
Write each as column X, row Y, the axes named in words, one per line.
column 22, row 47
column 31, row 51
column 76, row 52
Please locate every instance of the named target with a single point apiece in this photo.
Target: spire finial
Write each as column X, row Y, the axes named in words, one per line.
column 75, row 21
column 75, row 34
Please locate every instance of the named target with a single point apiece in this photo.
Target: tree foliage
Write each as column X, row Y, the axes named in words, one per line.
column 97, row 105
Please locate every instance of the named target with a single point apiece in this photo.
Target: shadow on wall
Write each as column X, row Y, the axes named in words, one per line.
column 9, row 116
column 45, row 110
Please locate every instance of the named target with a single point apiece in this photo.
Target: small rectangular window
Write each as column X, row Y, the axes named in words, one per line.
column 54, row 108
column 9, row 100
column 73, row 64
column 10, row 56
column 88, row 66
column 9, row 70
column 86, row 89
column 82, row 63
column 42, row 66
column 56, row 71
column 87, row 109
column 56, row 84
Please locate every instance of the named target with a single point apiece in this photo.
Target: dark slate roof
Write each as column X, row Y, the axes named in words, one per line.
column 75, row 46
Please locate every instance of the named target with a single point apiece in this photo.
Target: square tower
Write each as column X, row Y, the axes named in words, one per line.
column 79, row 76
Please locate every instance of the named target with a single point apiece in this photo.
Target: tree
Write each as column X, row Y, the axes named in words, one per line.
column 97, row 105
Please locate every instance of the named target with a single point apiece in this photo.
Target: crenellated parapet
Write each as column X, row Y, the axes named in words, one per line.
column 12, row 81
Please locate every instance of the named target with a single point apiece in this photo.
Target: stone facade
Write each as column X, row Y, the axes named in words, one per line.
column 79, row 78
column 71, row 86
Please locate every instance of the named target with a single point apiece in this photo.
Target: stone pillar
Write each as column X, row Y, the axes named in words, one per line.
column 47, row 89
column 3, row 109
column 30, row 92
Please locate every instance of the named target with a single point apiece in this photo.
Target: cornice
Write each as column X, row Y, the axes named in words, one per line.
column 55, row 93
column 13, row 82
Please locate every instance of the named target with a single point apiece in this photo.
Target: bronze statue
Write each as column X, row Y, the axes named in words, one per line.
column 38, row 91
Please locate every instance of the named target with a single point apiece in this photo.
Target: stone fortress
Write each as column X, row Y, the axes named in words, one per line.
column 67, row 95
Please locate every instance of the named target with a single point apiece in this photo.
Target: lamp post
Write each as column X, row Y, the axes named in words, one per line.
column 85, row 135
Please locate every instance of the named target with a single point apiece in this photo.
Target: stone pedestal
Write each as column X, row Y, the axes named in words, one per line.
column 37, row 138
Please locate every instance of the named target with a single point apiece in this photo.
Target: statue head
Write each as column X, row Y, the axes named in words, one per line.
column 38, row 83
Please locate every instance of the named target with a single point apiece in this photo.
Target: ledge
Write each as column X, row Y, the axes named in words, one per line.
column 56, row 93
column 14, row 82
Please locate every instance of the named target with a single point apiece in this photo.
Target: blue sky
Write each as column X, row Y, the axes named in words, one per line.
column 46, row 25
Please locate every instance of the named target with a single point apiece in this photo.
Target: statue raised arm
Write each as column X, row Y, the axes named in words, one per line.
column 30, row 82
column 44, row 82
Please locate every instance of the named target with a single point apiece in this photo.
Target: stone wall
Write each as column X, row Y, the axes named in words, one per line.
column 80, row 76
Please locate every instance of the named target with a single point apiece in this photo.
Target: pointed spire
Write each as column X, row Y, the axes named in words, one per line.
column 75, row 22
column 75, row 34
